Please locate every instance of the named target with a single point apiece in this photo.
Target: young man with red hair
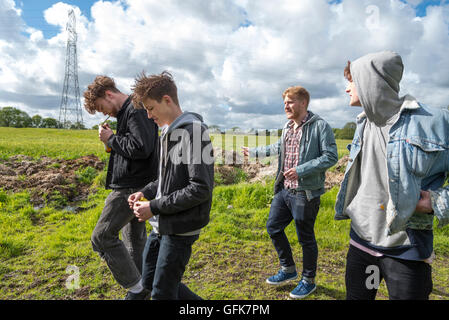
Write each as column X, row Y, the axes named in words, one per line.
column 306, row 150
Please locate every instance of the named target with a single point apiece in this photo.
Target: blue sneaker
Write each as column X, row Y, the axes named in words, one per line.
column 302, row 290
column 281, row 277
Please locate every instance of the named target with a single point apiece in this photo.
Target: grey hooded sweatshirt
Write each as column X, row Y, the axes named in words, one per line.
column 376, row 77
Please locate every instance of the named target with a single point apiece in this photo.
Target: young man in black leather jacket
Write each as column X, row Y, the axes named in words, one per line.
column 132, row 164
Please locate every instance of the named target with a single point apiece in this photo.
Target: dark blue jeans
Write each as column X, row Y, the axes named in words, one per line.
column 285, row 207
column 164, row 261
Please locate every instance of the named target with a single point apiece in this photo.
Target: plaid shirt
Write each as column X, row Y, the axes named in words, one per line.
column 292, row 138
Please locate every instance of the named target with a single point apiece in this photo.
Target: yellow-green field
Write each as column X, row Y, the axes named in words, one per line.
column 39, row 246
column 69, row 144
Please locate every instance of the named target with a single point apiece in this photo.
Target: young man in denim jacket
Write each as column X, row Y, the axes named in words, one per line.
column 393, row 185
column 306, row 150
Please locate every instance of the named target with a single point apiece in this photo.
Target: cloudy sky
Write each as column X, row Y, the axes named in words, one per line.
column 231, row 59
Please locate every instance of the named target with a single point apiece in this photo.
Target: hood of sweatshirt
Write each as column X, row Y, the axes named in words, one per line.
column 376, row 77
column 184, row 119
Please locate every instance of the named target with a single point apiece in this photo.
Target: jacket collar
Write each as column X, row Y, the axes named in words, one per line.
column 409, row 103
column 124, row 106
column 311, row 117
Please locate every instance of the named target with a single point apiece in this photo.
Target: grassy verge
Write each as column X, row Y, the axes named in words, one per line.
column 231, row 259
column 40, row 246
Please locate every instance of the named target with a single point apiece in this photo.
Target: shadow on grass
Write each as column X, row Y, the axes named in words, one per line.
column 331, row 292
column 440, row 293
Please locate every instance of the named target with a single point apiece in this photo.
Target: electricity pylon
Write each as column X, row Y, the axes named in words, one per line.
column 70, row 113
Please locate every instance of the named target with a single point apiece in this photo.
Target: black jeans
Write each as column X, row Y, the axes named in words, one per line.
column 285, row 207
column 405, row 279
column 164, row 261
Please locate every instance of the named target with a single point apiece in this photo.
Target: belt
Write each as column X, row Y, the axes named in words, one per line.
column 294, row 191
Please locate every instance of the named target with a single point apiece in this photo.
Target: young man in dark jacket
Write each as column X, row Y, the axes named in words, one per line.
column 133, row 163
column 181, row 198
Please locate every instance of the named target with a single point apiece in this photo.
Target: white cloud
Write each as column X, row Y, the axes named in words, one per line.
column 231, row 59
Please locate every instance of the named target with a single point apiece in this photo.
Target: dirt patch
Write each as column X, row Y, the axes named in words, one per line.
column 235, row 164
column 335, row 177
column 48, row 178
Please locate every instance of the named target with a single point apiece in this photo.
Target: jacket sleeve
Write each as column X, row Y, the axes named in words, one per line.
column 198, row 189
column 137, row 143
column 328, row 156
column 265, row 151
column 440, row 205
column 150, row 190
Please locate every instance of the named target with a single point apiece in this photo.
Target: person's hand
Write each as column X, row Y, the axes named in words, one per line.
column 424, row 204
column 291, row 174
column 142, row 210
column 245, row 151
column 104, row 132
column 133, row 198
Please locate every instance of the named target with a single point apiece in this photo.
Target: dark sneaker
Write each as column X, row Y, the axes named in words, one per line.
column 303, row 289
column 281, row 277
column 142, row 295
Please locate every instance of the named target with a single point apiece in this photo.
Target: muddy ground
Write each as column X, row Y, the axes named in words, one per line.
column 257, row 171
column 50, row 179
column 47, row 179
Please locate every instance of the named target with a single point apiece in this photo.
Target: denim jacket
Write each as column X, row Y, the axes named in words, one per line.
column 317, row 153
column 417, row 159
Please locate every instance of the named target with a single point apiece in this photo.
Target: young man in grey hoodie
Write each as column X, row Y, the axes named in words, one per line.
column 181, row 198
column 393, row 185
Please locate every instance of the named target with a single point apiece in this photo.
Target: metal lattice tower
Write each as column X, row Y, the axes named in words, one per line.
column 70, row 112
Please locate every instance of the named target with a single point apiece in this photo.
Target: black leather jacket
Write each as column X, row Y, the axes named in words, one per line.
column 133, row 162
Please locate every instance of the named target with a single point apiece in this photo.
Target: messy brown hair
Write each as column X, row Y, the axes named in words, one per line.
column 97, row 89
column 298, row 92
column 347, row 72
column 154, row 87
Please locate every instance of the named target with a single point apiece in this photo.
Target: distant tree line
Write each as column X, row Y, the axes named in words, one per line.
column 13, row 117
column 16, row 118
column 347, row 132
column 112, row 125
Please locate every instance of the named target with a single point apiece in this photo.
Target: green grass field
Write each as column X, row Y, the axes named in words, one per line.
column 70, row 144
column 232, row 258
